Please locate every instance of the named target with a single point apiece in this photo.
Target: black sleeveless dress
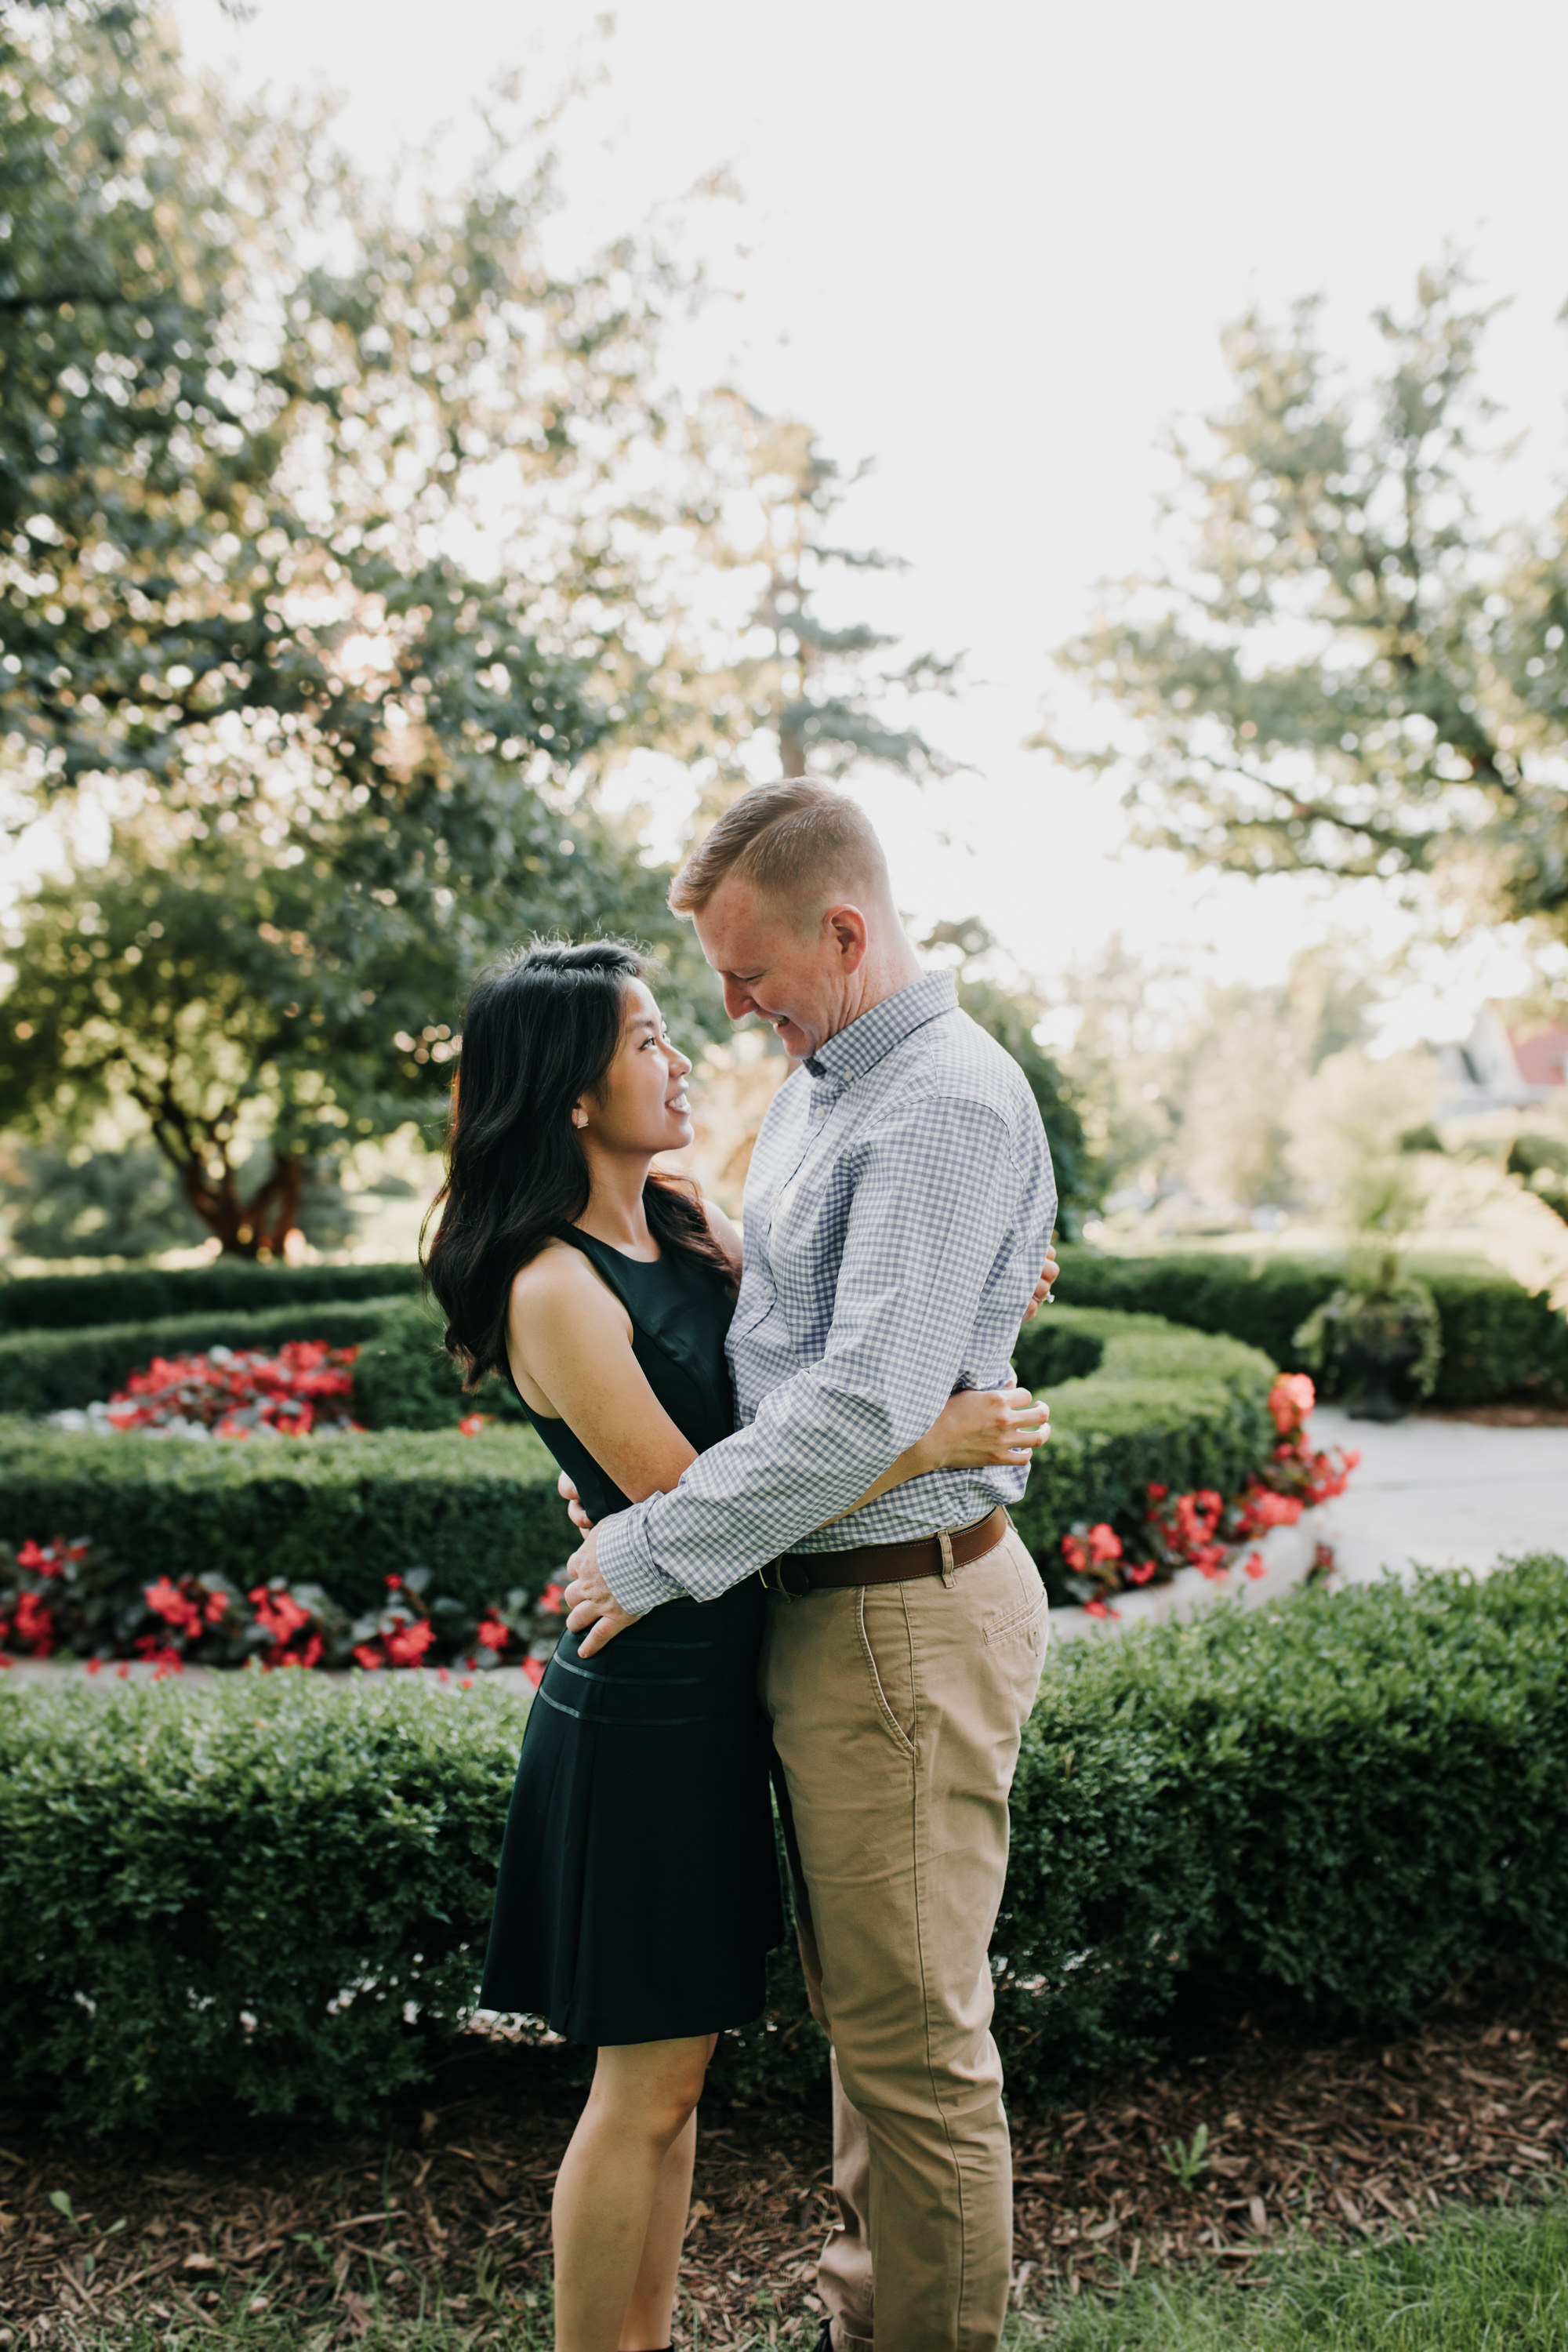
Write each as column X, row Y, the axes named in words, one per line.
column 638, row 1895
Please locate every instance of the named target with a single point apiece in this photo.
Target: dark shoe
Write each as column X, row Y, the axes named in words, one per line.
column 825, row 2337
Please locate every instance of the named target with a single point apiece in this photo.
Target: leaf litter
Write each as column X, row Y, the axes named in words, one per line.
column 1207, row 2159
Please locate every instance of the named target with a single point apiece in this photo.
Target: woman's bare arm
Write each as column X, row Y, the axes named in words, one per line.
column 570, row 1342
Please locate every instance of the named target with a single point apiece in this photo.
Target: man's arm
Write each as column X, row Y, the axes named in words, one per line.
column 935, row 1201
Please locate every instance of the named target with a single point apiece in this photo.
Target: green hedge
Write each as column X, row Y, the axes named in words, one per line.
column 402, row 1380
column 346, row 1513
column 1498, row 1338
column 144, row 1294
column 236, row 1889
column 1356, row 1796
column 1135, row 1402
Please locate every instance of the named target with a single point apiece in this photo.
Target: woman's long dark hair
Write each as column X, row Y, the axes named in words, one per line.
column 539, row 1029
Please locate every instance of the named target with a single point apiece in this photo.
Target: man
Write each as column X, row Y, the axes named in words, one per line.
column 899, row 1205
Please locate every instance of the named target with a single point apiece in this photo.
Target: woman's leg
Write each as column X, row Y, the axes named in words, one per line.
column 651, row 2309
column 614, row 2210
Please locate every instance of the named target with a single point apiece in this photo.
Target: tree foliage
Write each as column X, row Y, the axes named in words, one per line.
column 808, row 696
column 1346, row 673
column 320, row 580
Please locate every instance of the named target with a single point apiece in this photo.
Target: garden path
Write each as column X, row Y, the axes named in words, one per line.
column 1442, row 1493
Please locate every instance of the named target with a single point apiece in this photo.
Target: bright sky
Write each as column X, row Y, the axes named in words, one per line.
column 991, row 246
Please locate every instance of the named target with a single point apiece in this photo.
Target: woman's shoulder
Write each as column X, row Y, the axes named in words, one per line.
column 557, row 1271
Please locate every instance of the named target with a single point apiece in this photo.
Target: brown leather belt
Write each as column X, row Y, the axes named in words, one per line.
column 896, row 1563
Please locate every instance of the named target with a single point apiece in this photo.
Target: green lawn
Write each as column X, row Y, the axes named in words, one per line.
column 1492, row 2283
column 1480, row 2283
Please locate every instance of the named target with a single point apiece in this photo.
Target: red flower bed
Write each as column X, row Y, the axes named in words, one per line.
column 77, row 1600
column 1203, row 1529
column 238, row 1393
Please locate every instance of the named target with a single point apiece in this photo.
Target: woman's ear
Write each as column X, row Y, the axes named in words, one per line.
column 579, row 1116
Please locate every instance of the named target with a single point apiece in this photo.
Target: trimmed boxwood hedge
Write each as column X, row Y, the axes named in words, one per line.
column 278, row 1891
column 65, row 1302
column 404, row 1379
column 1498, row 1338
column 483, row 1513
column 1135, row 1401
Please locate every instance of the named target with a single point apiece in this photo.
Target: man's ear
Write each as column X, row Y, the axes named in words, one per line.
column 850, row 933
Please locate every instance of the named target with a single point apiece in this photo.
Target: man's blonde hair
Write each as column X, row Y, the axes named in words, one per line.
column 794, row 840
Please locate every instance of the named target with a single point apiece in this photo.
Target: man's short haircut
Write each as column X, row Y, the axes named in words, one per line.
column 796, row 840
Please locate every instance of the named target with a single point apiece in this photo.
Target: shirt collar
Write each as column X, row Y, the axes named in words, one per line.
column 860, row 1048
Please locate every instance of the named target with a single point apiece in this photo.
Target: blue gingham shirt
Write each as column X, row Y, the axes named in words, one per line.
column 899, row 1206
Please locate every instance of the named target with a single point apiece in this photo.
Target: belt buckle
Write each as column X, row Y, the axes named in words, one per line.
column 789, row 1578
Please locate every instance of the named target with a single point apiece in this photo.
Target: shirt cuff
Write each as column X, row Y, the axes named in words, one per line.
column 627, row 1564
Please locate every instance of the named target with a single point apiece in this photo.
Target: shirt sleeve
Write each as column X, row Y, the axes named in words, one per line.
column 934, row 1203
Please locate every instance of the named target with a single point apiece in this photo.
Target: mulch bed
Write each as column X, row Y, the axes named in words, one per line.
column 1343, row 2137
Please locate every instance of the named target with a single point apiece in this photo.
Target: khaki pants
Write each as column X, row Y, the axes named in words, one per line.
column 897, row 1710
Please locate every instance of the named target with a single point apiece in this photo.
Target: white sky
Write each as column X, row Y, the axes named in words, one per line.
column 991, row 246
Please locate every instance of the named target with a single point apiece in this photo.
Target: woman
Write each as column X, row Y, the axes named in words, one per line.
column 638, row 1893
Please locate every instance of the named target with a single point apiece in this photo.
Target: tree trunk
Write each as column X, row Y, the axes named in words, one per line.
column 258, row 1228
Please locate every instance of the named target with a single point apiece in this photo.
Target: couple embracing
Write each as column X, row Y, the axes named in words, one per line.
column 795, row 1454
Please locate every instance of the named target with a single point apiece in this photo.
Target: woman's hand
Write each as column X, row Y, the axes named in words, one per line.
column 574, row 1511
column 1047, row 1282
column 982, row 1428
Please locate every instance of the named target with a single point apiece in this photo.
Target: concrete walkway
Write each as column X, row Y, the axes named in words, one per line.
column 1432, row 1494
column 1443, row 1494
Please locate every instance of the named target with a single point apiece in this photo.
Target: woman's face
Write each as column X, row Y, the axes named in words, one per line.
column 640, row 1103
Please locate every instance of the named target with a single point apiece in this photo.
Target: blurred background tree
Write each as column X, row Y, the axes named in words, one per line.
column 1346, row 673
column 784, row 691
column 325, row 595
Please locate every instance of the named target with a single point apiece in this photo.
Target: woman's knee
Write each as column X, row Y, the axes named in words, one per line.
column 656, row 2087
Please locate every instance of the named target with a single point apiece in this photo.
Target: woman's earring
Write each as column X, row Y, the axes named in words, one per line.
column 579, row 1118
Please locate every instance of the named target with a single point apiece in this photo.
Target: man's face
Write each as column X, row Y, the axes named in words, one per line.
column 799, row 978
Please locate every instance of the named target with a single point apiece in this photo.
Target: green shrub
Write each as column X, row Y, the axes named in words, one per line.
column 346, row 1513
column 243, row 1890
column 1162, row 1406
column 402, row 1380
column 144, row 1293
column 279, row 1890
column 1498, row 1338
column 406, row 1380
column 44, row 1372
column 1355, row 1796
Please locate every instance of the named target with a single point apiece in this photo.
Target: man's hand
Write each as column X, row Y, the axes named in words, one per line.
column 1042, row 1288
column 593, row 1611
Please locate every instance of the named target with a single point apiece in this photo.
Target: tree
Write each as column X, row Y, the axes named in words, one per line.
column 780, row 690
column 1345, row 674
column 1012, row 1017
column 256, row 606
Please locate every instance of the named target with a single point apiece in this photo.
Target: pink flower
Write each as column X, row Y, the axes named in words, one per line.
column 471, row 1423
column 1290, row 1400
column 1098, row 1609
column 1142, row 1573
column 407, row 1646
column 533, row 1669
column 1256, row 1566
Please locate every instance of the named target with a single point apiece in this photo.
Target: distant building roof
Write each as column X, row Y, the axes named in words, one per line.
column 1500, row 1069
column 1543, row 1057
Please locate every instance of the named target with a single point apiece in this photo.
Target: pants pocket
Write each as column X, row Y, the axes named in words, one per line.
column 1022, row 1606
column 887, row 1641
